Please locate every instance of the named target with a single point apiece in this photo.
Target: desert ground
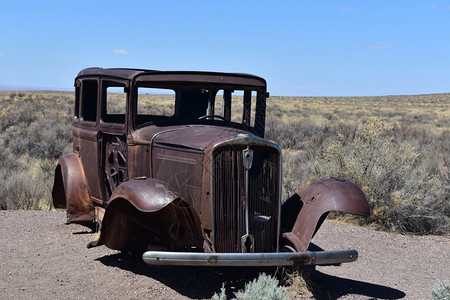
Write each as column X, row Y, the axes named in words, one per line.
column 41, row 257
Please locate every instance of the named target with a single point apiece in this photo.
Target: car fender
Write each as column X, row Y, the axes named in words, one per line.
column 149, row 205
column 70, row 190
column 303, row 213
column 146, row 194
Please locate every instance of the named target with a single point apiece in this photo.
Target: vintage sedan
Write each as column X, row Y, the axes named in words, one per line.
column 173, row 165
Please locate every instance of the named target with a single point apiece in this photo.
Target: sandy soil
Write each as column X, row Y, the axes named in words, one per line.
column 42, row 258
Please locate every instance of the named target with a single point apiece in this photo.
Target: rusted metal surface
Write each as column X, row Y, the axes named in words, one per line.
column 147, row 210
column 138, row 191
column 194, row 178
column 232, row 183
column 317, row 199
column 70, row 190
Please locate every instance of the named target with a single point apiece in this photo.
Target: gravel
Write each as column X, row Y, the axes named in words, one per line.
column 41, row 258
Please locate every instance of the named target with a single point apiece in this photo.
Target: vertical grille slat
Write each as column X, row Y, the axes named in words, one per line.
column 229, row 196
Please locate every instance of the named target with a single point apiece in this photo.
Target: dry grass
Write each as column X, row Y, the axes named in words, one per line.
column 297, row 280
column 395, row 147
column 418, row 110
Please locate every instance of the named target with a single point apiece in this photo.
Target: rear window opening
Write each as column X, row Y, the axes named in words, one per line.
column 89, row 95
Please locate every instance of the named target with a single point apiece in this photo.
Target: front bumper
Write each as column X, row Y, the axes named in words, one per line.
column 249, row 259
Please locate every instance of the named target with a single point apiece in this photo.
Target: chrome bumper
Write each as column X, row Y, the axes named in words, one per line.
column 249, row 259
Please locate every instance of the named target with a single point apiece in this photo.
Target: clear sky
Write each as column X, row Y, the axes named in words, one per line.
column 302, row 48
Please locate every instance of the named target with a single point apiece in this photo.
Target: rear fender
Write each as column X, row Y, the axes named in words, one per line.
column 304, row 212
column 70, row 190
column 148, row 206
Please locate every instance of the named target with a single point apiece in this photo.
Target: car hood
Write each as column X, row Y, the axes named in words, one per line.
column 197, row 137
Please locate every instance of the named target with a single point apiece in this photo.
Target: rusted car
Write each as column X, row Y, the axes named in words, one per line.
column 174, row 165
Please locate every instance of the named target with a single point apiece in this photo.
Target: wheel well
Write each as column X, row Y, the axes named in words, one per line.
column 172, row 227
column 58, row 192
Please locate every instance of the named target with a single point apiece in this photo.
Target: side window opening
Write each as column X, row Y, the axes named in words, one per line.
column 76, row 112
column 115, row 101
column 154, row 104
column 89, row 89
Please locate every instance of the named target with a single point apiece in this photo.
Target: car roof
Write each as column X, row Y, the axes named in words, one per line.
column 178, row 76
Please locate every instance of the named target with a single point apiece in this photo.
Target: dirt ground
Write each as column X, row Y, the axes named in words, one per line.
column 42, row 258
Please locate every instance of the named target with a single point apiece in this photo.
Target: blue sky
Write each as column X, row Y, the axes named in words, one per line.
column 302, row 48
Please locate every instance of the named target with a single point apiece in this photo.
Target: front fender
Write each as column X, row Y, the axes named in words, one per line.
column 70, row 190
column 315, row 201
column 146, row 194
column 148, row 211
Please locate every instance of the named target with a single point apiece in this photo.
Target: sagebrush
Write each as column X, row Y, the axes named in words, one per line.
column 264, row 287
column 399, row 153
column 441, row 291
column 35, row 131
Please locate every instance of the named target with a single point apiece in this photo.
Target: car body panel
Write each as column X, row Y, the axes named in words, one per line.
column 71, row 191
column 317, row 199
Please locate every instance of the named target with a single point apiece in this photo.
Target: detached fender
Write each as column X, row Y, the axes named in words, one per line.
column 146, row 208
column 70, row 190
column 311, row 205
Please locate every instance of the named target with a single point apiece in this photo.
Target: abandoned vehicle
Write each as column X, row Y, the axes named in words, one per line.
column 173, row 165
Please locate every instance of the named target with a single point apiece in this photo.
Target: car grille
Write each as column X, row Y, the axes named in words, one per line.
column 229, row 198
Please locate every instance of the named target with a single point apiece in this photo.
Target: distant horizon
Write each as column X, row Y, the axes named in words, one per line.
column 4, row 88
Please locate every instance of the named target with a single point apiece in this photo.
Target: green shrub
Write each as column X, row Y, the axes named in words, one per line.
column 441, row 291
column 401, row 195
column 402, row 168
column 221, row 296
column 265, row 287
column 24, row 191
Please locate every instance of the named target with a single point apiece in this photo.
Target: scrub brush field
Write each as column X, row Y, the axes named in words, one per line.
column 395, row 147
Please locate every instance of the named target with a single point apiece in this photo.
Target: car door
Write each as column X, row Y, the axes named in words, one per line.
column 85, row 133
column 112, row 135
